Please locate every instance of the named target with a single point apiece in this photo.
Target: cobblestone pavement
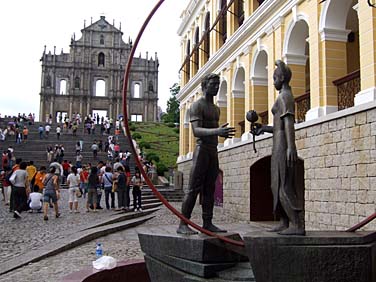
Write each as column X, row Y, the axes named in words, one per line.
column 19, row 236
column 121, row 245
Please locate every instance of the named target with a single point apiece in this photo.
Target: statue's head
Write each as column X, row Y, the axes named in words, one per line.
column 282, row 74
column 210, row 84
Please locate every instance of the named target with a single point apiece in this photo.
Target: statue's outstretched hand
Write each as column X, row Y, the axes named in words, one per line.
column 292, row 156
column 257, row 129
column 227, row 132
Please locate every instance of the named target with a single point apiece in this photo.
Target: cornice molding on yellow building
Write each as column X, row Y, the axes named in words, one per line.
column 259, row 81
column 237, row 93
column 332, row 34
column 295, row 59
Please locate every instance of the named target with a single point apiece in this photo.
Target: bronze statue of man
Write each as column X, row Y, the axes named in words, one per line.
column 286, row 202
column 204, row 118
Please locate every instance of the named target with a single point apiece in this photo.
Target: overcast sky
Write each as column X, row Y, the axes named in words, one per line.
column 28, row 25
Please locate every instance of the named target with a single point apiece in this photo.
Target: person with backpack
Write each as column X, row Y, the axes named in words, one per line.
column 107, row 185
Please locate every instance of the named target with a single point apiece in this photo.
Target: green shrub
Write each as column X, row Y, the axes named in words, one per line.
column 144, row 145
column 161, row 168
column 136, row 136
column 152, row 157
column 177, row 130
column 171, row 124
column 132, row 127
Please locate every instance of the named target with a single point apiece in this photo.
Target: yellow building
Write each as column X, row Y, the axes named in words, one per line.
column 330, row 48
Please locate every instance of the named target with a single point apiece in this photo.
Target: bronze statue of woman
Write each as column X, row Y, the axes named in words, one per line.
column 286, row 202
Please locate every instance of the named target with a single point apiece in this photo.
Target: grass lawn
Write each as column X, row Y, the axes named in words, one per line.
column 163, row 140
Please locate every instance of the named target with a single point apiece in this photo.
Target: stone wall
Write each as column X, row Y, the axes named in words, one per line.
column 339, row 152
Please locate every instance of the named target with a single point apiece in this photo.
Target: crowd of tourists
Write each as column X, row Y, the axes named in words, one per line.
column 26, row 188
column 17, row 127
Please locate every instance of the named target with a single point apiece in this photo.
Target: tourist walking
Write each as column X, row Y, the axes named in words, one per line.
column 7, row 186
column 58, row 132
column 128, row 189
column 73, row 182
column 84, row 178
column 137, row 182
column 94, row 148
column 78, row 147
column 47, row 129
column 121, row 188
column 25, row 133
column 51, row 192
column 20, row 189
column 79, row 158
column 93, row 182
column 107, row 185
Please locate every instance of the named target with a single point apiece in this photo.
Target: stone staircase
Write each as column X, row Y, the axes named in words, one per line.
column 35, row 148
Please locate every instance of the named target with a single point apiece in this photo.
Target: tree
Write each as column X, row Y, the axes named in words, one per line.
column 173, row 112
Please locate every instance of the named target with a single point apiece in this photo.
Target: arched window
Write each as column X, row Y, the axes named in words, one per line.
column 101, row 40
column 100, row 88
column 101, row 59
column 63, row 87
column 207, row 38
column 77, row 82
column 137, row 90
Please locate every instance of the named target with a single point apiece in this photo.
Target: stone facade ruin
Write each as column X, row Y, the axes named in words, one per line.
column 89, row 78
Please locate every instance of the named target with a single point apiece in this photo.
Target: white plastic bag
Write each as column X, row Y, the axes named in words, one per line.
column 104, row 262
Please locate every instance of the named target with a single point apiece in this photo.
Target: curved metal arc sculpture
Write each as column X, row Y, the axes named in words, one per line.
column 128, row 135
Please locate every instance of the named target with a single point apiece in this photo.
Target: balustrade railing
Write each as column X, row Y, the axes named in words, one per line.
column 264, row 117
column 347, row 87
column 302, row 106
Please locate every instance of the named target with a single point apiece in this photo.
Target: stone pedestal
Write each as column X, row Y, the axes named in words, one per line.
column 176, row 258
column 319, row 256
